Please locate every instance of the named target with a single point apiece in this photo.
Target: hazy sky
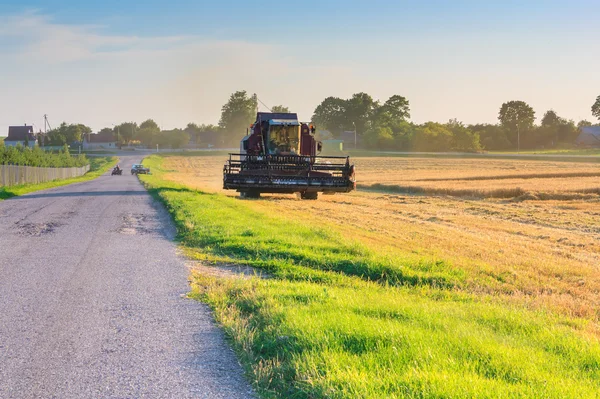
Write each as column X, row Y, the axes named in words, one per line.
column 178, row 61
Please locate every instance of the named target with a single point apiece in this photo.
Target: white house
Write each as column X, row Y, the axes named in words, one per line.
column 99, row 141
column 22, row 135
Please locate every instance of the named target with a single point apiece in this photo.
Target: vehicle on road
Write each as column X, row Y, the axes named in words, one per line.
column 116, row 171
column 279, row 155
column 139, row 169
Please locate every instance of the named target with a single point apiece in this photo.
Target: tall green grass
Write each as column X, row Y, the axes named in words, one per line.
column 337, row 319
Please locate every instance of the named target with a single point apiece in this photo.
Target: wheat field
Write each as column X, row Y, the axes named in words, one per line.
column 539, row 246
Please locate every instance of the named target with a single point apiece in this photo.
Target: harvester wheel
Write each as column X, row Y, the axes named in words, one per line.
column 250, row 194
column 309, row 196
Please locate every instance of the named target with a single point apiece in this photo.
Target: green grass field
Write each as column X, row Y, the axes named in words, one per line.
column 339, row 319
column 98, row 166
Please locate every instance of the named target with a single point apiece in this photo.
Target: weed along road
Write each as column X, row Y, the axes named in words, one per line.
column 91, row 300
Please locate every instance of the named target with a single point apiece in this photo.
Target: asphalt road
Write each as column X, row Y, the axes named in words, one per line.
column 91, row 300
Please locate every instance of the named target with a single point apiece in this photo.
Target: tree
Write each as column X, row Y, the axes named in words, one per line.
column 551, row 119
column 432, row 137
column 463, row 139
column 150, row 124
column 596, row 108
column 403, row 133
column 331, row 115
column 125, row 132
column 517, row 117
column 398, row 107
column 360, row 111
column 175, row 139
column 147, row 131
column 380, row 138
column 280, row 109
column 583, row 123
column 67, row 134
column 238, row 114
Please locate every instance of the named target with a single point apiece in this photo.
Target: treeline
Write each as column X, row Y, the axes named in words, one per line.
column 64, row 134
column 149, row 134
column 382, row 126
column 387, row 126
column 36, row 156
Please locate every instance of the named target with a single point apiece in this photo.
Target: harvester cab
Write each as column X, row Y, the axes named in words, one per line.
column 280, row 155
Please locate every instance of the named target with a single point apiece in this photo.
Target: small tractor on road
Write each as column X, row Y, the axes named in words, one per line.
column 279, row 155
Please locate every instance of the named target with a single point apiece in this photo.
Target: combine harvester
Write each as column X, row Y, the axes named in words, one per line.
column 279, row 155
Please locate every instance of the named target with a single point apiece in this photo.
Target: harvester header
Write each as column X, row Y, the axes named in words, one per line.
column 280, row 155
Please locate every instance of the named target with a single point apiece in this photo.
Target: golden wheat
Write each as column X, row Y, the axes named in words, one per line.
column 507, row 241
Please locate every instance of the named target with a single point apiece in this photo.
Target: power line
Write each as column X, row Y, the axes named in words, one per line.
column 265, row 105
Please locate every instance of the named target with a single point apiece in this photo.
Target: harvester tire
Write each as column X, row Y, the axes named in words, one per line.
column 309, row 196
column 250, row 194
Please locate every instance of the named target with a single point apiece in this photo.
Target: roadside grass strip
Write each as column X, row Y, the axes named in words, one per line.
column 98, row 166
column 342, row 320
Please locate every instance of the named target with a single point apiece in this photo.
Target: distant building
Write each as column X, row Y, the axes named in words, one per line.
column 589, row 136
column 99, row 141
column 22, row 135
column 348, row 138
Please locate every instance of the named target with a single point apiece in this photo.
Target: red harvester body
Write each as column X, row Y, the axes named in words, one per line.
column 279, row 155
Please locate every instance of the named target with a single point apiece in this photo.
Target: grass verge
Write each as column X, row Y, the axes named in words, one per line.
column 98, row 166
column 341, row 320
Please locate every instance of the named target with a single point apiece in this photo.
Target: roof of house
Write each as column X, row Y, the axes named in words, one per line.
column 105, row 137
column 593, row 130
column 20, row 133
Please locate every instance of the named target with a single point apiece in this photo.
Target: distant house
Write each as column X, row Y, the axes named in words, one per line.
column 22, row 135
column 348, row 138
column 98, row 141
column 589, row 136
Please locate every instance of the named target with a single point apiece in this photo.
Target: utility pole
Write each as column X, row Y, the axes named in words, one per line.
column 46, row 124
column 354, row 135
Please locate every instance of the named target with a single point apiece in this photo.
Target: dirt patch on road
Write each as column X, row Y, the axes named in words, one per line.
column 137, row 224
column 37, row 229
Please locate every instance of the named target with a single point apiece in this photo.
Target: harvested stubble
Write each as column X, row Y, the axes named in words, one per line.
column 545, row 253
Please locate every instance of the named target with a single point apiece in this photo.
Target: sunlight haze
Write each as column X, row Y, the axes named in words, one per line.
column 178, row 61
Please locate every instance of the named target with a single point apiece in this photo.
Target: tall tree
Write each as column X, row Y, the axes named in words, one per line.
column 551, row 119
column 596, row 108
column 238, row 114
column 517, row 117
column 331, row 115
column 125, row 131
column 398, row 107
column 150, row 124
column 280, row 109
column 360, row 111
column 393, row 112
column 583, row 123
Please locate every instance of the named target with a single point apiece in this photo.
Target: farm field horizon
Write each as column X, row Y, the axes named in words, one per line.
column 516, row 237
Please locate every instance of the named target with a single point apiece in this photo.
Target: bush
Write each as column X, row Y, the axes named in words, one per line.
column 26, row 156
column 432, row 137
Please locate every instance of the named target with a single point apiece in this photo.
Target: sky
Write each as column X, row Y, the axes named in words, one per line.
column 178, row 61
